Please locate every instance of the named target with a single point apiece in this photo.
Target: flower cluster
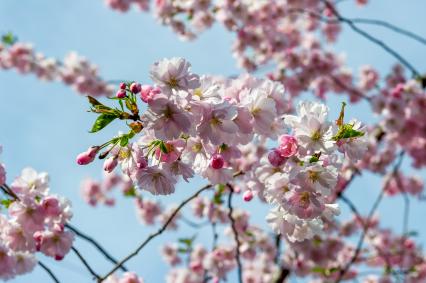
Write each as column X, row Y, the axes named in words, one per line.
column 206, row 126
column 75, row 70
column 33, row 220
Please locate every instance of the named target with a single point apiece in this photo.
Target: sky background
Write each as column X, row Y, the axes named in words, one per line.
column 45, row 125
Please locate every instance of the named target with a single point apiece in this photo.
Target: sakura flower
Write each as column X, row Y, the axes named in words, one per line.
column 55, row 244
column 322, row 179
column 262, row 108
column 155, row 180
column 25, row 262
column 174, row 74
column 31, row 181
column 166, row 119
column 216, row 123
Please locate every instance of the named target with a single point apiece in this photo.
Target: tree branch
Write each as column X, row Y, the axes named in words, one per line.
column 85, row 263
column 94, row 243
column 371, row 38
column 367, row 222
column 390, row 26
column 152, row 236
column 47, row 269
column 234, row 230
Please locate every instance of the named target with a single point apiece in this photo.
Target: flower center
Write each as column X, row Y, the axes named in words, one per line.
column 304, row 198
column 198, row 92
column 173, row 83
column 124, row 153
column 314, row 176
column 316, row 136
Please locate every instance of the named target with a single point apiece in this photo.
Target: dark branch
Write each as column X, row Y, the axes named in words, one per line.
column 96, row 244
column 152, row 236
column 371, row 38
column 366, row 224
column 234, row 230
column 390, row 26
column 47, row 269
column 85, row 263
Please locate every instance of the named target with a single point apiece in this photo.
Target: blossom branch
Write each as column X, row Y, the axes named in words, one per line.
column 96, row 244
column 371, row 38
column 152, row 236
column 47, row 269
column 85, row 263
column 367, row 222
column 234, row 230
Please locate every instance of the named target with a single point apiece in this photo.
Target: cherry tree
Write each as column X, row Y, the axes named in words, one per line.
column 248, row 136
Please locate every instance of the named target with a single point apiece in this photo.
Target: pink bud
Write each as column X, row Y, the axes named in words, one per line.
column 288, row 146
column 148, row 92
column 398, row 90
column 217, row 161
column 88, row 156
column 122, row 86
column 248, row 195
column 110, row 164
column 59, row 257
column 135, row 87
column 276, row 159
column 121, row 93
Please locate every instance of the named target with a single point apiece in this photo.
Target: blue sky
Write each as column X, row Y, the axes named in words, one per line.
column 40, row 121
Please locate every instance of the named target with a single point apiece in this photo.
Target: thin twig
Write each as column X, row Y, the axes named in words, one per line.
column 85, row 263
column 49, row 271
column 215, row 235
column 371, row 38
column 234, row 230
column 152, row 236
column 368, row 220
column 390, row 26
column 8, row 191
column 96, row 244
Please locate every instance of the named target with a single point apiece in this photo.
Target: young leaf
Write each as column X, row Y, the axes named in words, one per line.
column 102, row 121
column 347, row 131
column 339, row 121
column 9, row 38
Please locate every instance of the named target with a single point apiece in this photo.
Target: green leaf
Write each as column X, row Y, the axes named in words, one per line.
column 182, row 250
column 130, row 192
column 347, row 131
column 315, row 157
column 163, row 148
column 9, row 39
column 102, row 121
column 6, row 202
column 124, row 140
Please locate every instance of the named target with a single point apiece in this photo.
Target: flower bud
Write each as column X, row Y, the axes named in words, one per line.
column 248, row 195
column 275, row 158
column 217, row 161
column 288, row 146
column 135, row 88
column 110, row 164
column 148, row 92
column 120, row 93
column 88, row 156
column 122, row 86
